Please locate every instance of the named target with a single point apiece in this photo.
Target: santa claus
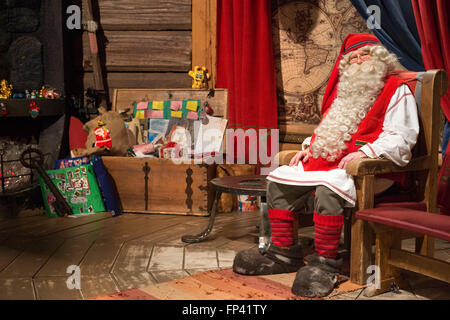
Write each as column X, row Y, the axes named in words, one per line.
column 102, row 136
column 367, row 112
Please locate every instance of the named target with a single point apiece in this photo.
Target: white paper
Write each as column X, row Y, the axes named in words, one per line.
column 210, row 136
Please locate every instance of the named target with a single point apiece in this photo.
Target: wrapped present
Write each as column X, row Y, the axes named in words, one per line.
column 105, row 183
column 78, row 185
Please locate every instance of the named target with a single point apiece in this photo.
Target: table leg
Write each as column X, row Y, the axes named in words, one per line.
column 264, row 228
column 201, row 236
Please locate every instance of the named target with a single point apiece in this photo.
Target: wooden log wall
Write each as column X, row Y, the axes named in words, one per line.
column 148, row 44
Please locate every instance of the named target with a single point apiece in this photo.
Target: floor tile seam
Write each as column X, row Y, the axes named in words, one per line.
column 80, row 263
column 17, row 226
column 48, row 258
column 114, row 279
column 12, row 261
column 65, row 229
column 153, row 247
column 36, row 291
column 205, row 248
column 72, row 227
column 122, row 244
column 146, row 270
column 143, row 235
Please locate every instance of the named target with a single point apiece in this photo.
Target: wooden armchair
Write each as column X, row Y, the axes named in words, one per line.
column 393, row 222
column 431, row 85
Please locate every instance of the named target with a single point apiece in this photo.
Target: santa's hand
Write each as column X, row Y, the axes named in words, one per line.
column 351, row 156
column 304, row 154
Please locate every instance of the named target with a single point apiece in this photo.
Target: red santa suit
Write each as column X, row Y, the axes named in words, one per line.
column 389, row 131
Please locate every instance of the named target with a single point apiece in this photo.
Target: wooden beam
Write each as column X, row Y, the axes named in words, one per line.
column 386, row 238
column 139, row 51
column 93, row 48
column 143, row 80
column 432, row 90
column 204, row 21
column 145, row 15
column 290, row 146
column 428, row 266
column 303, row 130
column 365, row 166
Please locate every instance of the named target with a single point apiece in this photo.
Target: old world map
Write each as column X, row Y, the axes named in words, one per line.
column 307, row 38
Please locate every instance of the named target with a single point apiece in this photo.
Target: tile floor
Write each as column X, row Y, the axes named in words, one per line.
column 137, row 251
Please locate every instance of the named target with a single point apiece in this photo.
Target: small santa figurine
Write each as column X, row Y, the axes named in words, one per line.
column 102, row 136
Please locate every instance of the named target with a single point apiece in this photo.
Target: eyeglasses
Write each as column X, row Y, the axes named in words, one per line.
column 364, row 56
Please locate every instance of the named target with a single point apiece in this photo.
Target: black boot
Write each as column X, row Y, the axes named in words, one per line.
column 318, row 278
column 274, row 261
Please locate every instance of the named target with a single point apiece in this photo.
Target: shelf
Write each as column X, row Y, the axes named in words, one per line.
column 21, row 107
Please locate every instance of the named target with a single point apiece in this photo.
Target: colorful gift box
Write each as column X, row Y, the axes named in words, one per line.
column 79, row 187
column 106, row 186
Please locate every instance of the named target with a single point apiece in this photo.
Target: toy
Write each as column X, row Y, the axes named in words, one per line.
column 102, row 136
column 34, row 110
column 49, row 92
column 200, row 77
column 118, row 134
column 18, row 95
column 5, row 90
column 3, row 108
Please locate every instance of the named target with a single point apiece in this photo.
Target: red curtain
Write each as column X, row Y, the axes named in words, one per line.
column 245, row 63
column 433, row 24
column 434, row 31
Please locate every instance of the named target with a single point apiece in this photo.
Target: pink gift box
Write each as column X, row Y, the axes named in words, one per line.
column 192, row 115
column 142, row 106
column 154, row 114
column 175, row 105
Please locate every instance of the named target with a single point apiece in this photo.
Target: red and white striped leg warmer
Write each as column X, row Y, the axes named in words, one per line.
column 282, row 226
column 328, row 233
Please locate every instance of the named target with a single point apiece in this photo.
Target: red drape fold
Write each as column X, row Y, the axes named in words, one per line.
column 434, row 31
column 245, row 62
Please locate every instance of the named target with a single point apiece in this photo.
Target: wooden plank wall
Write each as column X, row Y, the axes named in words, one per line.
column 204, row 30
column 148, row 43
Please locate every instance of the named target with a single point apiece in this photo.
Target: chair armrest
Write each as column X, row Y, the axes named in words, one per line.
column 365, row 166
column 284, row 157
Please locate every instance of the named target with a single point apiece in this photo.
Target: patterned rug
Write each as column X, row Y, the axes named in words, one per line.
column 223, row 285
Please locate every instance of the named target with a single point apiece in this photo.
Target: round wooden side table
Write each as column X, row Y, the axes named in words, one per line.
column 240, row 185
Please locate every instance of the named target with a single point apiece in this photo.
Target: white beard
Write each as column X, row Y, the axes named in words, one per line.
column 358, row 89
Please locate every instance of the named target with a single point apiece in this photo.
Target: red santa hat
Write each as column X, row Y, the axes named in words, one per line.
column 351, row 43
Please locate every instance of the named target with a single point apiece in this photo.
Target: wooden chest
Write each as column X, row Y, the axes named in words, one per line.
column 148, row 185
column 153, row 185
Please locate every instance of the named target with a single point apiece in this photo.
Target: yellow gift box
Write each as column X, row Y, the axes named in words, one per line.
column 177, row 114
column 158, row 105
column 140, row 114
column 192, row 105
